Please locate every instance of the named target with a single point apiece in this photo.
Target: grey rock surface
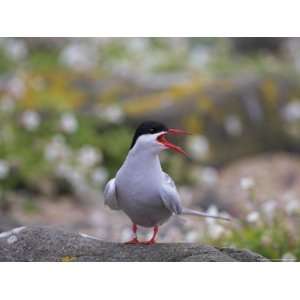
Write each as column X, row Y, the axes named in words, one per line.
column 38, row 243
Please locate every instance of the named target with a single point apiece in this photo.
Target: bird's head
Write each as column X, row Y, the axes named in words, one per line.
column 151, row 136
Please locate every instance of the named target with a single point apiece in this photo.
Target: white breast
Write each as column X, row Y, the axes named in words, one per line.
column 138, row 185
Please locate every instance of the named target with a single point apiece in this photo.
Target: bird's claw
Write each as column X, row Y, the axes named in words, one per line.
column 151, row 242
column 134, row 241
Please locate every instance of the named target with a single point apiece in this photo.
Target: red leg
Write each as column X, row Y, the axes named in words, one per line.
column 135, row 239
column 152, row 240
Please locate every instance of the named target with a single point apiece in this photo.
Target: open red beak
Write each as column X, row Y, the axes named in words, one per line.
column 162, row 139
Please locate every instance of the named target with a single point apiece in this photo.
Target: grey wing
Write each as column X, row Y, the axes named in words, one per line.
column 170, row 196
column 110, row 195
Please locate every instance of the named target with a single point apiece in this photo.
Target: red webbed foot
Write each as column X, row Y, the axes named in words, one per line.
column 134, row 241
column 151, row 242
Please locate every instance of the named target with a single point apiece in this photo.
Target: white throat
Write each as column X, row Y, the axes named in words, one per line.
column 146, row 161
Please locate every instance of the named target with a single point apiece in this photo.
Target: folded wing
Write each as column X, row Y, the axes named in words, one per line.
column 170, row 196
column 110, row 195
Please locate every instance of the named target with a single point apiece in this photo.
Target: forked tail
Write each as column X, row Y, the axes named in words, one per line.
column 192, row 212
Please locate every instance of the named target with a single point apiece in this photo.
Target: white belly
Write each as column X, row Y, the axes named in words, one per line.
column 138, row 194
column 144, row 207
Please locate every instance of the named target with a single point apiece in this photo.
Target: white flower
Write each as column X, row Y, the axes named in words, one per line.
column 292, row 206
column 4, row 169
column 213, row 211
column 68, row 123
column 199, row 57
column 247, row 183
column 269, row 208
column 30, row 120
column 88, row 156
column 209, row 176
column 15, row 48
column 56, row 149
column 198, row 147
column 192, row 236
column 16, row 87
column 112, row 114
column 215, row 230
column 7, row 104
column 233, row 125
column 252, row 217
column 288, row 257
column 99, row 175
column 79, row 56
column 291, row 111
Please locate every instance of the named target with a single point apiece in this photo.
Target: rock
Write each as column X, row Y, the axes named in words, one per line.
column 36, row 243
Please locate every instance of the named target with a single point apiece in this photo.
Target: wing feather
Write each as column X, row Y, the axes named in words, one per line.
column 170, row 196
column 110, row 195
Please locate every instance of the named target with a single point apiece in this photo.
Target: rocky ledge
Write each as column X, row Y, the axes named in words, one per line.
column 36, row 243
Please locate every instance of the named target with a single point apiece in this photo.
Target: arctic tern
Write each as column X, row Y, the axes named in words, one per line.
column 141, row 189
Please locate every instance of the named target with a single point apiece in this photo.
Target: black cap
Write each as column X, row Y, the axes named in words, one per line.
column 148, row 127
